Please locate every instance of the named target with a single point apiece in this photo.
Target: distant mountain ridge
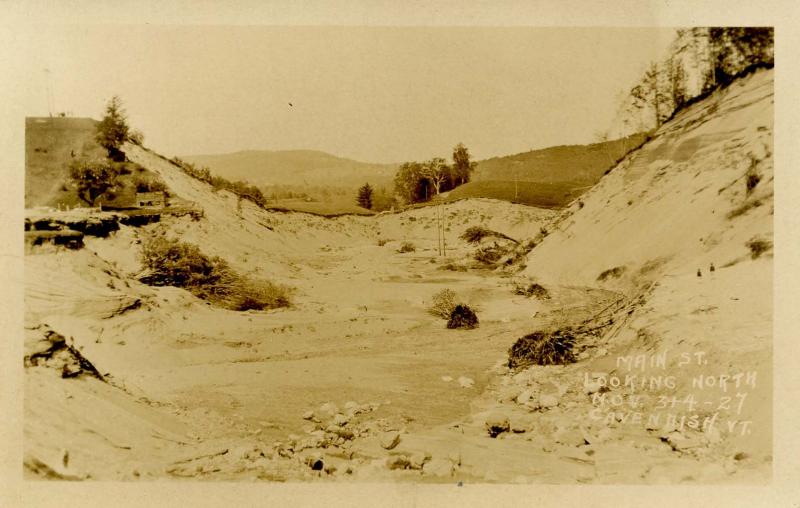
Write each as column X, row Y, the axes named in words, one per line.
column 294, row 167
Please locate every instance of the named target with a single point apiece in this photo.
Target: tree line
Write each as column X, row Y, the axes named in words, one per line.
column 416, row 182
column 699, row 60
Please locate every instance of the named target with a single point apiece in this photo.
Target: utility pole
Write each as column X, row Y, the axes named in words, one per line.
column 49, row 93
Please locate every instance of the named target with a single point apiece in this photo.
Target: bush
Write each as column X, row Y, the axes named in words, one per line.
column 542, row 348
column 462, row 317
column 407, row 247
column 475, row 234
column 181, row 264
column 382, row 242
column 144, row 184
column 758, row 247
column 615, row 273
column 443, row 303
column 534, row 289
column 489, row 255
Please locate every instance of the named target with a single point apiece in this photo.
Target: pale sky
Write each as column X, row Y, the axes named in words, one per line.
column 373, row 94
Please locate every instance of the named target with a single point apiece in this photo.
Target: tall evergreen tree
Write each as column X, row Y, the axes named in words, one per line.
column 364, row 199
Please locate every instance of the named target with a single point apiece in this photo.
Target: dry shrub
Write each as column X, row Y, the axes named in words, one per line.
column 758, row 247
column 743, row 209
column 614, row 273
column 407, row 247
column 475, row 234
column 543, row 348
column 462, row 317
column 533, row 290
column 181, row 264
column 443, row 303
column 382, row 242
column 490, row 254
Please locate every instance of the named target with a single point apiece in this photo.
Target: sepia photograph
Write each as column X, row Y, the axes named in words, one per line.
column 456, row 255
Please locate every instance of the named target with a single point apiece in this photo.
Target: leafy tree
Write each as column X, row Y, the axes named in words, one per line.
column 113, row 130
column 93, row 178
column 364, row 199
column 407, row 181
column 462, row 167
column 437, row 172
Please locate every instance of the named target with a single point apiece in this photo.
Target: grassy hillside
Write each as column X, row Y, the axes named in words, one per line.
column 548, row 178
column 295, row 167
column 577, row 164
column 50, row 145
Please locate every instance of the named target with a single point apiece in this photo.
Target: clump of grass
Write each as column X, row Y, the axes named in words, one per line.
column 543, row 348
column 407, row 247
column 758, row 247
column 181, row 264
column 532, row 290
column 753, row 176
column 382, row 242
column 614, row 273
column 462, row 316
column 743, row 209
column 443, row 303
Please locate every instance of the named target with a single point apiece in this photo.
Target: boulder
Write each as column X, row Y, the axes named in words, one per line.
column 497, row 423
column 438, row 468
column 328, row 409
column 398, row 462
column 525, row 396
column 548, row 400
column 418, row 459
column 466, row 382
column 569, row 436
column 390, row 439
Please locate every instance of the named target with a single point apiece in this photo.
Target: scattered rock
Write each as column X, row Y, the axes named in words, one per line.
column 438, row 467
column 497, row 423
column 680, row 442
column 398, row 462
column 525, row 396
column 389, row 440
column 508, row 393
column 447, row 379
column 418, row 459
column 592, row 387
column 308, row 415
column 315, row 462
column 465, row 382
column 329, row 408
column 340, row 420
column 569, row 437
column 548, row 400
column 520, row 424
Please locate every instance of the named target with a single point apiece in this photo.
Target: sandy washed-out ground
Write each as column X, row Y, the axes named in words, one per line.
column 357, row 381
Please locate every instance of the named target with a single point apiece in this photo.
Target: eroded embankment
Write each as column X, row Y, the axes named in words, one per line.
column 358, row 380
